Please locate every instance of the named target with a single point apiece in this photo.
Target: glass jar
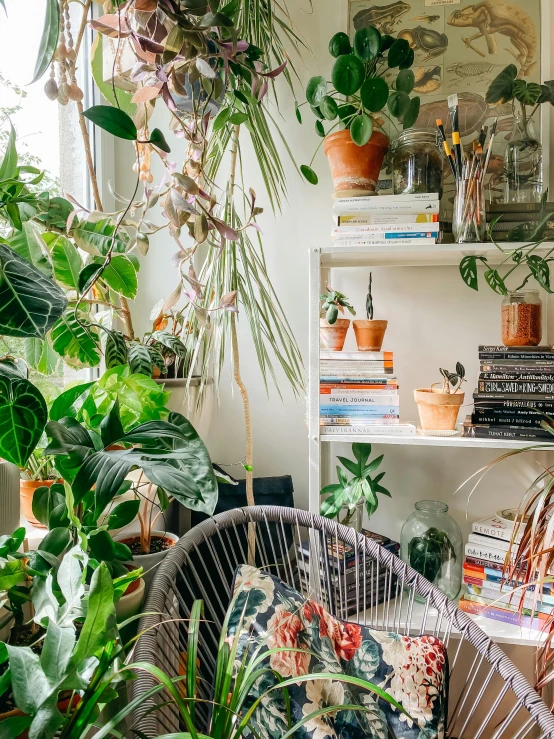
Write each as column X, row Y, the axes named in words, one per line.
column 523, row 164
column 417, row 162
column 469, row 219
column 431, row 542
column 353, row 517
column 522, row 318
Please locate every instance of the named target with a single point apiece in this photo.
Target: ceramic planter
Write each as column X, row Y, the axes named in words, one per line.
column 27, row 490
column 333, row 335
column 149, row 562
column 355, row 167
column 129, row 604
column 369, row 335
column 10, row 504
column 438, row 411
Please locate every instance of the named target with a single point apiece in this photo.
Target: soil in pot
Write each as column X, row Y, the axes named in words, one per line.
column 27, row 490
column 333, row 335
column 438, row 411
column 369, row 335
column 157, row 544
column 355, row 167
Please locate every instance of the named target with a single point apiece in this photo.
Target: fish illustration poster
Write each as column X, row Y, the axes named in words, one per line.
column 460, row 47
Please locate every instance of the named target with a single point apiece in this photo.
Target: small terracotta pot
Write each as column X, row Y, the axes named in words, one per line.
column 369, row 335
column 355, row 167
column 27, row 490
column 438, row 411
column 333, row 335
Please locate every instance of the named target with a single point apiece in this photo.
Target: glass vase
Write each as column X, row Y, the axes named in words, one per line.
column 523, row 164
column 469, row 220
column 353, row 517
column 431, row 542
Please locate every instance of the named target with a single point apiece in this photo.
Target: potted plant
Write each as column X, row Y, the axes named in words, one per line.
column 438, row 409
column 356, row 152
column 332, row 329
column 369, row 333
column 344, row 500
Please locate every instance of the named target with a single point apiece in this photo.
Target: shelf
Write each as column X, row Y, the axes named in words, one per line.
column 420, row 440
column 409, row 256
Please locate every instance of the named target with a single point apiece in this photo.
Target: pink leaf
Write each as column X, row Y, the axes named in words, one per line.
column 147, row 93
column 227, row 302
column 225, row 230
column 275, row 72
column 172, row 299
column 168, row 100
column 70, row 220
column 113, row 25
column 255, row 225
column 263, row 89
column 240, row 46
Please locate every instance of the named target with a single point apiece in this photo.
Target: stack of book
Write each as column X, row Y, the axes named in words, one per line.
column 358, row 393
column 515, row 391
column 487, row 594
column 386, row 219
column 346, row 577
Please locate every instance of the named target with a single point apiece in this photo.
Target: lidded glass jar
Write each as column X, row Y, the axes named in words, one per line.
column 431, row 542
column 523, row 164
column 417, row 162
column 522, row 318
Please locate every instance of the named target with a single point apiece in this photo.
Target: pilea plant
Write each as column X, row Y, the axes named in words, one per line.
column 333, row 302
column 360, row 91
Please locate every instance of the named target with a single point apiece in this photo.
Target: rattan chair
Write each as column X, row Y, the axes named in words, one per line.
column 489, row 697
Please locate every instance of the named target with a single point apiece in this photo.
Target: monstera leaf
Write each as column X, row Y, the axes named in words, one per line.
column 30, row 303
column 23, row 415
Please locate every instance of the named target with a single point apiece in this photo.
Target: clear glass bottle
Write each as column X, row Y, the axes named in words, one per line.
column 431, row 542
column 522, row 318
column 523, row 164
column 417, row 162
column 469, row 219
column 352, row 517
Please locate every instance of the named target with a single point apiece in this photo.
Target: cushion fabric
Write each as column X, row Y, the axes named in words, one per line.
column 413, row 670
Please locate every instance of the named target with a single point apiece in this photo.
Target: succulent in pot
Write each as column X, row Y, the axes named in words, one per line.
column 438, row 408
column 369, row 333
column 355, row 144
column 332, row 329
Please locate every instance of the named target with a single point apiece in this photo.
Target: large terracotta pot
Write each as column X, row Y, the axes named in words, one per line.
column 438, row 411
column 27, row 490
column 355, row 167
column 332, row 335
column 369, row 335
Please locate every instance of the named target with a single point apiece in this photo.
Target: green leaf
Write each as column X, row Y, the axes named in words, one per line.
column 408, row 61
column 88, row 276
column 405, row 80
column 347, row 112
column 297, row 112
column 316, row 90
column 412, row 114
column 374, row 94
column 55, row 541
column 139, row 359
column 367, row 43
column 116, row 350
column 113, row 121
column 329, row 108
column 66, row 260
column 45, row 499
column 123, row 552
column 73, row 342
column 351, row 466
column 49, row 39
column 221, row 119
column 23, row 416
column 11, row 574
column 173, row 343
column 30, row 245
column 398, row 104
column 540, row 271
column 30, row 303
column 362, row 453
column 309, row 174
column 14, row 726
column 114, row 95
column 101, row 546
column 339, row 44
column 398, row 53
column 501, row 89
column 361, row 129
column 495, row 282
column 468, row 271
column 100, row 623
column 319, row 129
column 40, row 355
column 120, row 274
column 8, row 165
column 237, row 118
column 527, row 93
column 111, row 429
column 123, row 514
column 348, row 74
column 63, row 405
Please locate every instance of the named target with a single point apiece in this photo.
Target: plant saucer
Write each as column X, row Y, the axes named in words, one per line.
column 438, row 432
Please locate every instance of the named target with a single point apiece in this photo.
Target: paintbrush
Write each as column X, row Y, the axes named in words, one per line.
column 454, row 122
column 489, row 149
column 446, row 147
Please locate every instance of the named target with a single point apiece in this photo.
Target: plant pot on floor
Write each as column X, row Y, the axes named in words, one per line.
column 332, row 335
column 438, row 411
column 151, row 561
column 355, row 167
column 27, row 490
column 369, row 334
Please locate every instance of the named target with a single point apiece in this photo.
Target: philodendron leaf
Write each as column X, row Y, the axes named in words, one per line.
column 540, row 271
column 113, row 121
column 30, row 303
column 23, row 416
column 501, row 89
column 49, row 40
column 527, row 93
column 45, row 499
column 496, row 282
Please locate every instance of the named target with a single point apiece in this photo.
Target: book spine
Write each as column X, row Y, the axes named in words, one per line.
column 366, row 374
column 358, row 356
column 501, row 349
column 526, row 388
column 359, row 411
column 357, row 385
column 488, row 554
column 488, row 597
column 424, row 240
column 359, row 421
column 515, row 367
column 513, row 401
column 420, row 197
column 512, row 419
column 502, row 587
column 353, row 364
column 387, row 219
column 373, row 381
column 403, row 228
column 494, row 532
column 340, row 237
column 358, row 398
column 488, row 541
column 510, row 432
column 482, row 563
column 500, row 614
column 517, row 376
column 375, row 430
column 522, row 357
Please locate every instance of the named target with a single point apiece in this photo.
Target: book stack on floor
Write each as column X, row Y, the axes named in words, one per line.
column 345, row 577
column 408, row 220
column 487, row 595
column 515, row 390
column 358, row 394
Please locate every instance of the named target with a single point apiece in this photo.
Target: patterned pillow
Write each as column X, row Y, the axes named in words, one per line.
column 411, row 669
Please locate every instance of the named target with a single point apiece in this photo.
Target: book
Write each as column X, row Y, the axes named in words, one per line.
column 357, row 385
column 356, row 411
column 505, row 596
column 424, row 240
column 529, row 376
column 365, row 373
column 358, row 356
column 404, row 228
column 383, row 218
column 515, row 401
column 484, row 563
column 507, row 432
column 500, row 614
column 355, row 364
column 512, row 418
column 517, row 350
column 517, row 366
column 375, row 382
column 426, row 202
column 488, row 541
column 401, row 429
column 499, row 587
column 470, row 567
column 509, row 353
column 343, row 555
column 356, row 397
column 489, row 554
column 360, row 421
column 518, row 387
column 497, row 527
column 486, row 597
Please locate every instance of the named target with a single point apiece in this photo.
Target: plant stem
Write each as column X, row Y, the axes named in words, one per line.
column 88, row 155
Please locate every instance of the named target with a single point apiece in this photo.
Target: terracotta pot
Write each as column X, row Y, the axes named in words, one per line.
column 333, row 335
column 149, row 562
column 27, row 490
column 438, row 411
column 369, row 335
column 355, row 167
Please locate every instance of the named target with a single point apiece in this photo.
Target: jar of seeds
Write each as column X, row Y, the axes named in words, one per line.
column 417, row 162
column 522, row 318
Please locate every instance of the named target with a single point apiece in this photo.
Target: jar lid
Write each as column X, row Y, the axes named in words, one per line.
column 416, row 136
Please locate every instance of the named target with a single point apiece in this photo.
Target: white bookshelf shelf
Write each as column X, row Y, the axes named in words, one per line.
column 420, row 440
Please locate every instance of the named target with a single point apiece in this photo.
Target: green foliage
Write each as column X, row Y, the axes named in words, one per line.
column 49, row 40
column 506, row 86
column 347, row 493
column 453, row 379
column 333, row 302
column 23, row 416
column 113, row 120
column 428, row 552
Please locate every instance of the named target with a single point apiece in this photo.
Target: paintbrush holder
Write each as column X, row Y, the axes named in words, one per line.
column 469, row 222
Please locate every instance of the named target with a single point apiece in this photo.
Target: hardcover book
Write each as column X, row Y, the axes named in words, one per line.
column 401, row 429
column 497, row 527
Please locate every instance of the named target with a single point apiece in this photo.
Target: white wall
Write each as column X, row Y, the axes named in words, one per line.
column 434, row 320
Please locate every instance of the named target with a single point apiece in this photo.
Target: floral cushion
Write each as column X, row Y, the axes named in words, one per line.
column 411, row 669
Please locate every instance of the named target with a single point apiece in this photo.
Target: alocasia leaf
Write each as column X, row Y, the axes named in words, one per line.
column 23, row 415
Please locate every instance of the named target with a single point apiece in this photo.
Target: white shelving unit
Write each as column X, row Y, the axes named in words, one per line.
column 321, row 261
